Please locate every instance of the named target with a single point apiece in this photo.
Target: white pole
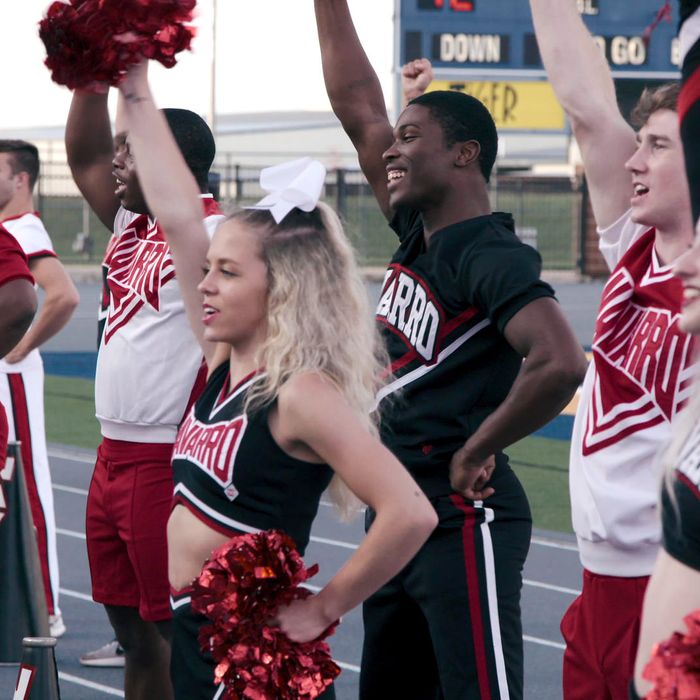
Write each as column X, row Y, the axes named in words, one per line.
column 212, row 96
column 396, row 68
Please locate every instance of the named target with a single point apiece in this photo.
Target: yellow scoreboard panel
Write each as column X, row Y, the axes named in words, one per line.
column 521, row 105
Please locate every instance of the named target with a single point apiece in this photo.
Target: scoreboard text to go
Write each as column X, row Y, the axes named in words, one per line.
column 495, row 49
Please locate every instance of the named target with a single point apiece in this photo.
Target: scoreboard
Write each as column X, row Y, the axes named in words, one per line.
column 484, row 36
column 489, row 46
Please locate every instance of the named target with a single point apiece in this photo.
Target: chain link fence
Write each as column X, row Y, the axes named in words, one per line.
column 547, row 211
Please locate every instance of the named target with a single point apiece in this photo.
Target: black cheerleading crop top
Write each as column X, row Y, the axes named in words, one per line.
column 230, row 472
column 680, row 505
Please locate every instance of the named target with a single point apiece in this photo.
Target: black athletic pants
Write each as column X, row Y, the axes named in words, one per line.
column 448, row 626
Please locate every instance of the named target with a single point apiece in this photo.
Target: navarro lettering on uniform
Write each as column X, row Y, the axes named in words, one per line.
column 138, row 269
column 407, row 307
column 642, row 343
column 643, row 362
column 212, row 448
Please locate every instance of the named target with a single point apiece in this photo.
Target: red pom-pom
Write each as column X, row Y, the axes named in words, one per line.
column 93, row 43
column 240, row 588
column 674, row 668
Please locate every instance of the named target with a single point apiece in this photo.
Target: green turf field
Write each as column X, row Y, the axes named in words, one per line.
column 70, row 411
column 540, row 463
column 542, row 466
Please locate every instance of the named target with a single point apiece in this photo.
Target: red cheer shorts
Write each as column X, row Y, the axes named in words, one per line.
column 128, row 507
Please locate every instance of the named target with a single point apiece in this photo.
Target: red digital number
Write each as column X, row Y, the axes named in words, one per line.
column 456, row 5
column 461, row 5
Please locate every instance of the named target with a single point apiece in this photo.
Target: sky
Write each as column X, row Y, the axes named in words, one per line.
column 267, row 60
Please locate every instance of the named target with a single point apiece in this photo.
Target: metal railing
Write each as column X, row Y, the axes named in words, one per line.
column 547, row 211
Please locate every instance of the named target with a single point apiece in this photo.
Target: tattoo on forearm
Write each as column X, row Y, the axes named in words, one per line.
column 132, row 97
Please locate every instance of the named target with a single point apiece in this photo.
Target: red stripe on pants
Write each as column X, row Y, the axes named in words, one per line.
column 468, row 537
column 690, row 94
column 23, row 433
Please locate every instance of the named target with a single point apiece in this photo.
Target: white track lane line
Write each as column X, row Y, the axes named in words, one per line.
column 70, row 533
column 76, row 680
column 542, row 542
column 551, row 587
column 554, row 544
column 348, row 667
column 82, row 596
column 70, row 489
column 527, row 582
column 334, row 543
column 75, row 594
column 535, row 540
column 348, row 545
column 58, row 453
column 543, row 642
column 67, row 455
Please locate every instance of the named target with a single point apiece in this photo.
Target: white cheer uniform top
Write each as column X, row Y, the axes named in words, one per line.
column 34, row 240
column 148, row 357
column 638, row 380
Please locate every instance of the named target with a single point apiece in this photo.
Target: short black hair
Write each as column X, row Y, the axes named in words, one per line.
column 25, row 158
column 195, row 140
column 463, row 118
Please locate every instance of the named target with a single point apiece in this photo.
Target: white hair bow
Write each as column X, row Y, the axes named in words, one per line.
column 294, row 184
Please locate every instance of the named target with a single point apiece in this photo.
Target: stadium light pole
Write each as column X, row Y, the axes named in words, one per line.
column 398, row 101
column 212, row 92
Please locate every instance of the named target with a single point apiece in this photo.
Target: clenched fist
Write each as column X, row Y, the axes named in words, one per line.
column 415, row 78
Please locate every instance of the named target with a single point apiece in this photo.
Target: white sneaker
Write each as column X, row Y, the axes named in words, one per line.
column 57, row 628
column 110, row 655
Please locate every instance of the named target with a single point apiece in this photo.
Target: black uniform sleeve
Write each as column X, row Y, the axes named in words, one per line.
column 501, row 276
column 681, row 520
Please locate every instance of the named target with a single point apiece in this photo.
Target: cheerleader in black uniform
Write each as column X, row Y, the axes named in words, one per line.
column 294, row 361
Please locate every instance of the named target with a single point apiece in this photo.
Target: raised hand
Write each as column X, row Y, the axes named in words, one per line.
column 415, row 77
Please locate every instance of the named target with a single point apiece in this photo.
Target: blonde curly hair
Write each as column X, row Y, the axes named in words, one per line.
column 319, row 316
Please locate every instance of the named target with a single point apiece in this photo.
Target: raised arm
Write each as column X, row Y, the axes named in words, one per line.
column 170, row 190
column 355, row 93
column 90, row 151
column 581, row 79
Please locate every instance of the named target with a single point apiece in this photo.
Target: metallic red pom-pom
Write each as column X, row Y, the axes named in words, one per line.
column 674, row 668
column 92, row 43
column 239, row 590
